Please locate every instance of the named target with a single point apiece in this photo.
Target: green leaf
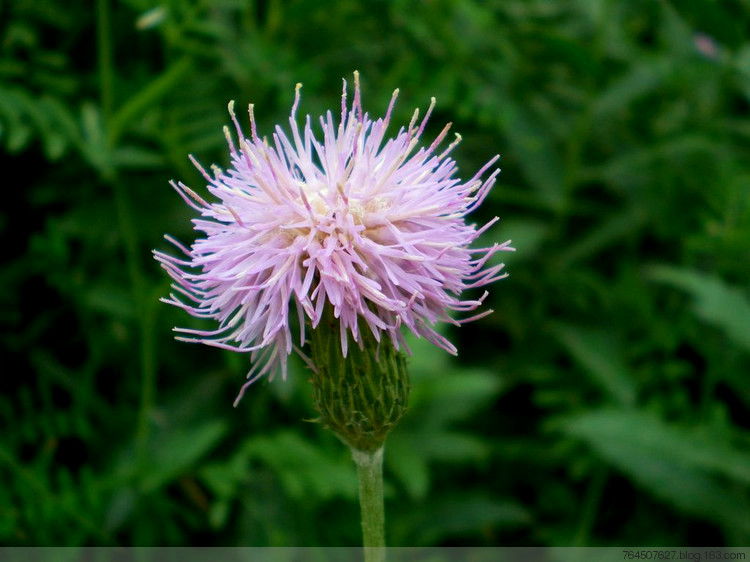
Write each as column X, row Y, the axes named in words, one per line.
column 534, row 150
column 642, row 79
column 632, row 168
column 304, row 468
column 453, row 396
column 598, row 353
column 136, row 158
column 112, row 300
column 608, row 231
column 714, row 301
column 442, row 395
column 177, row 451
column 466, row 515
column 527, row 236
column 742, row 65
column 36, row 112
column 408, row 464
column 678, row 465
column 94, row 146
column 17, row 134
column 151, row 93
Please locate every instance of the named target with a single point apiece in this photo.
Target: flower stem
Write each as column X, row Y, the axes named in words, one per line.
column 370, row 473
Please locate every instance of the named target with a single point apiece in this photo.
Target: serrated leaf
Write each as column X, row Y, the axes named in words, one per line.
column 147, row 96
column 12, row 113
column 610, row 230
column 599, row 354
column 94, row 145
column 693, row 447
column 37, row 112
column 715, row 301
column 177, row 450
column 466, row 515
column 450, row 397
column 304, row 469
column 676, row 464
column 439, row 400
column 63, row 118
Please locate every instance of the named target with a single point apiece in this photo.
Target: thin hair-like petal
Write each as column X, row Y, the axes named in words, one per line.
column 336, row 215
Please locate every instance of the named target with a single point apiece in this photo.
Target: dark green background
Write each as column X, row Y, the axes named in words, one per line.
column 604, row 403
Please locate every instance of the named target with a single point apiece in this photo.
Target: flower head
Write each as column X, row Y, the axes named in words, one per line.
column 370, row 226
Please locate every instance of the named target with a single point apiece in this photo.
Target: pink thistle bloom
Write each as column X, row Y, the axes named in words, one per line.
column 372, row 226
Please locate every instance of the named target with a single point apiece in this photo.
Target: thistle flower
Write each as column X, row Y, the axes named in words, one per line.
column 368, row 226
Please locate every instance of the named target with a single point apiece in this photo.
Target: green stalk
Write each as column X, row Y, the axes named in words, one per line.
column 104, row 51
column 126, row 216
column 370, row 473
column 360, row 397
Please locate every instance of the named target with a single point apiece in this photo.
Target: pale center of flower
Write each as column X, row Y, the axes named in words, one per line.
column 319, row 200
column 331, row 215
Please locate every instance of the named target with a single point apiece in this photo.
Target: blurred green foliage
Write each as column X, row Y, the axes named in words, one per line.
column 604, row 403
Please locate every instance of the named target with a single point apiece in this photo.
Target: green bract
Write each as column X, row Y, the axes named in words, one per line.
column 362, row 396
